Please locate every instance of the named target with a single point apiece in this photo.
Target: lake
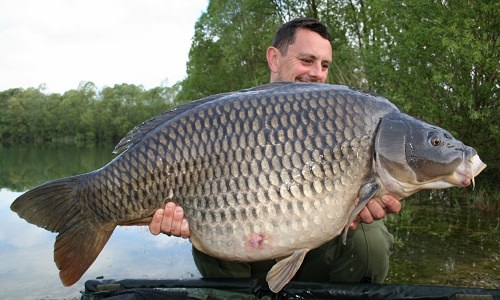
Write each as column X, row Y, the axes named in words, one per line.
column 438, row 240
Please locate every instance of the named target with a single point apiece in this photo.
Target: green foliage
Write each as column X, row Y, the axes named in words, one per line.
column 82, row 115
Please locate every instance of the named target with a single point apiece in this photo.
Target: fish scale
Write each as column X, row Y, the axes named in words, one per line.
column 254, row 170
column 264, row 131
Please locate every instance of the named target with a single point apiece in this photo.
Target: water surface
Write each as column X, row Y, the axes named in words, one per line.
column 445, row 241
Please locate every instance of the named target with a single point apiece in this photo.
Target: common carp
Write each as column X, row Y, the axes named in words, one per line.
column 254, row 170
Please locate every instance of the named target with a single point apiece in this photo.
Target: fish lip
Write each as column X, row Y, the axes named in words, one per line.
column 463, row 180
column 468, row 170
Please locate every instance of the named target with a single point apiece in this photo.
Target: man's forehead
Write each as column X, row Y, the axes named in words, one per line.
column 308, row 42
column 303, row 34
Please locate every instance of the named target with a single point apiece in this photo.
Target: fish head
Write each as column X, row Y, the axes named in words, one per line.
column 411, row 155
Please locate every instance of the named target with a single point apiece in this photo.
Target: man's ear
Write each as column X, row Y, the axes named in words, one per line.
column 272, row 58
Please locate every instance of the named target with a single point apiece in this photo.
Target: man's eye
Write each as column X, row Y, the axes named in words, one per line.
column 307, row 61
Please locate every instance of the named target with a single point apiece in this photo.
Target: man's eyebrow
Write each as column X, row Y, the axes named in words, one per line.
column 307, row 55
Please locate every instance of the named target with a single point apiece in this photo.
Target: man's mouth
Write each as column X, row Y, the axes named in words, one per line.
column 305, row 79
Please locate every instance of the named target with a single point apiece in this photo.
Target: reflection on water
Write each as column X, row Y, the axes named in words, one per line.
column 436, row 242
column 445, row 242
column 23, row 167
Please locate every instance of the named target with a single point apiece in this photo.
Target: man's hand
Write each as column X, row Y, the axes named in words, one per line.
column 374, row 210
column 170, row 221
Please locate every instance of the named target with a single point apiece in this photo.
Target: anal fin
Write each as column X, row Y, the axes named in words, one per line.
column 284, row 270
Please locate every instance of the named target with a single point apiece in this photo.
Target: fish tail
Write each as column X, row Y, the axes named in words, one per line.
column 58, row 206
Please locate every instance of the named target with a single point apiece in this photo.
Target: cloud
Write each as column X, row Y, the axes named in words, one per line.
column 63, row 42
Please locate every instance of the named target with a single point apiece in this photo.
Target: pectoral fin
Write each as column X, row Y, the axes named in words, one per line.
column 366, row 192
column 284, row 270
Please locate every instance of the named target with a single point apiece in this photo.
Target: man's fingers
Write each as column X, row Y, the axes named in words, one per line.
column 170, row 221
column 185, row 229
column 155, row 225
column 168, row 215
column 366, row 216
column 176, row 223
column 355, row 223
column 377, row 212
column 392, row 204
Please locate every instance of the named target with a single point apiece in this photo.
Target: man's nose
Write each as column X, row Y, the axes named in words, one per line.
column 316, row 72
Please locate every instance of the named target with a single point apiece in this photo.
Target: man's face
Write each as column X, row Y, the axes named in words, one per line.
column 306, row 60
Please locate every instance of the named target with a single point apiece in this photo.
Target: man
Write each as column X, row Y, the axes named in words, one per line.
column 301, row 51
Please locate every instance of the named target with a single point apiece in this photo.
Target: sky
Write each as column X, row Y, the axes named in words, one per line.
column 60, row 43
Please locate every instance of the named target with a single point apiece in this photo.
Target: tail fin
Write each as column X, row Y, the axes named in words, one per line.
column 57, row 206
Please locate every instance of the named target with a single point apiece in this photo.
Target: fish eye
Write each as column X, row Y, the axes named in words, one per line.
column 435, row 141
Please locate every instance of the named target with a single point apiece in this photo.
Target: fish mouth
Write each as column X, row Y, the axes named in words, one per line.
column 466, row 172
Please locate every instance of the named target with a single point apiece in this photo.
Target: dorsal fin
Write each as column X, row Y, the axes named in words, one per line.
column 135, row 135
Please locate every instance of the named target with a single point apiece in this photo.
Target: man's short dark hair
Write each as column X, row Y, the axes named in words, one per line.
column 286, row 33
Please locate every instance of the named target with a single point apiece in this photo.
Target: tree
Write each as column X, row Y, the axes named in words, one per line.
column 4, row 116
column 229, row 46
column 24, row 115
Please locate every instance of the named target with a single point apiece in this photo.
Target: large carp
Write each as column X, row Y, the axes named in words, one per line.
column 265, row 173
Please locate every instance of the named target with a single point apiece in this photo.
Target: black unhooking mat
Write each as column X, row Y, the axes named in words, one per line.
column 211, row 289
